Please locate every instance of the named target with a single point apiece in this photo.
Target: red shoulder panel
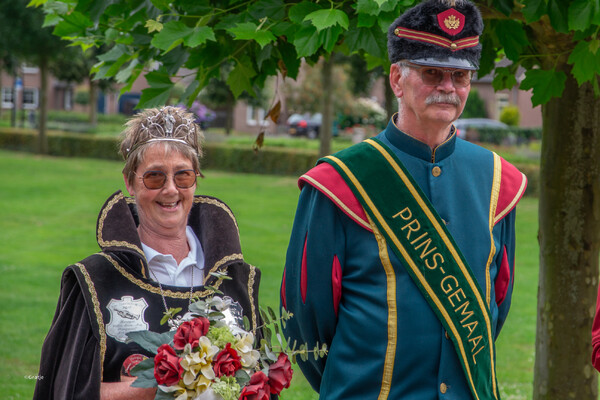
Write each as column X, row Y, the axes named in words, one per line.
column 328, row 181
column 512, row 187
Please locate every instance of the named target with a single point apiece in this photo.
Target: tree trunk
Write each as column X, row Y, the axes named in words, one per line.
column 327, row 122
column 93, row 111
column 15, row 94
column 229, row 110
column 42, row 136
column 569, row 215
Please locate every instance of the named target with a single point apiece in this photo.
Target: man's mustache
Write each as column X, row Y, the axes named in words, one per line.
column 447, row 98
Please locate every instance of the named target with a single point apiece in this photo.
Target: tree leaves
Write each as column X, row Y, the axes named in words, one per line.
column 323, row 19
column 585, row 59
column 513, row 38
column 250, row 31
column 545, row 84
column 582, row 13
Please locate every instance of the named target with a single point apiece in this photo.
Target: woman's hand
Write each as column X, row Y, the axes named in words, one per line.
column 123, row 390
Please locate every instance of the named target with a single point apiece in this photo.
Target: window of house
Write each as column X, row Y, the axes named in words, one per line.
column 30, row 98
column 29, row 69
column 7, row 97
column 254, row 116
column 501, row 102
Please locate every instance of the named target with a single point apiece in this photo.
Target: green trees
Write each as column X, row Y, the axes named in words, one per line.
column 555, row 41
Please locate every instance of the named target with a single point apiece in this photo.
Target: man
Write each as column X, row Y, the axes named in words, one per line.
column 401, row 257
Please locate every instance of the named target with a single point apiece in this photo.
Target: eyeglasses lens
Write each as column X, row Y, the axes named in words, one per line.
column 434, row 76
column 185, row 179
column 156, row 179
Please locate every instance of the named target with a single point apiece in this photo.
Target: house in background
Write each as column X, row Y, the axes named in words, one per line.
column 24, row 91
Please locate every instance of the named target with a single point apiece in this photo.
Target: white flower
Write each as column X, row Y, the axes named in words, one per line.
column 249, row 356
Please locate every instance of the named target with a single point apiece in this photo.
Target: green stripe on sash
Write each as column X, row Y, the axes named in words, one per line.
column 418, row 236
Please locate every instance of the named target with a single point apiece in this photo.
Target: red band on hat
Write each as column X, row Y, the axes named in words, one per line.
column 436, row 39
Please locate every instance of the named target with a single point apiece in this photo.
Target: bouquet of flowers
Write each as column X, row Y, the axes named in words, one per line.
column 206, row 355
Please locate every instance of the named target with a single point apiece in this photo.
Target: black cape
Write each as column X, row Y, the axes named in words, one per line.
column 109, row 294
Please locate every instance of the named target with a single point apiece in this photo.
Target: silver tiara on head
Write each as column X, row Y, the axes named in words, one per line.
column 161, row 127
column 157, row 131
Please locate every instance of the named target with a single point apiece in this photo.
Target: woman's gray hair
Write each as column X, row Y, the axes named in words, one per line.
column 171, row 126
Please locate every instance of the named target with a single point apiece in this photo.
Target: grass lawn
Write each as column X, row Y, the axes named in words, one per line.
column 48, row 211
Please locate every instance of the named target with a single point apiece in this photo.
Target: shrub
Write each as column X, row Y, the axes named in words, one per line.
column 510, row 115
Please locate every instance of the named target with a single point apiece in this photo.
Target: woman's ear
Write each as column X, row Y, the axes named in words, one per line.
column 129, row 186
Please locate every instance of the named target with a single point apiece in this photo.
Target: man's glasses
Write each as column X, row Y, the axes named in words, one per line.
column 183, row 179
column 433, row 76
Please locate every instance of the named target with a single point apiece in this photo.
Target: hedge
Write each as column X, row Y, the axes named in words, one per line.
column 234, row 158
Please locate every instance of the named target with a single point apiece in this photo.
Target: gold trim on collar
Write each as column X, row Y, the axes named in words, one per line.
column 214, row 202
column 155, row 289
column 113, row 243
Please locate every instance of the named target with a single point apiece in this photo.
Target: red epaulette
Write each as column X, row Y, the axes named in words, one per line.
column 512, row 187
column 328, row 181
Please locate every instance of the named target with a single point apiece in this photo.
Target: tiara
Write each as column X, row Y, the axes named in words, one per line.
column 159, row 133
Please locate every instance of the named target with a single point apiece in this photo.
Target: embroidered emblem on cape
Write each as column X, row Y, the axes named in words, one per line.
column 126, row 315
column 451, row 21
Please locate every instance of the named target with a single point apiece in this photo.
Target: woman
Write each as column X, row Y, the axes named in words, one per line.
column 159, row 249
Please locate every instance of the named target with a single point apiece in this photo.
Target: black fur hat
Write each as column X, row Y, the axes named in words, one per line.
column 441, row 33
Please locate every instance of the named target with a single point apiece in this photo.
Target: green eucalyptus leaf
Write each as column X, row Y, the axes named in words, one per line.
column 145, row 374
column 149, row 340
column 242, row 377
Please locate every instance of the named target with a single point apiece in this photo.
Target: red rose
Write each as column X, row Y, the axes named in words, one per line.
column 280, row 374
column 190, row 332
column 226, row 362
column 167, row 369
column 257, row 388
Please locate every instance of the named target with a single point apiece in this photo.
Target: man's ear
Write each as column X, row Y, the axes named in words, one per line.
column 396, row 80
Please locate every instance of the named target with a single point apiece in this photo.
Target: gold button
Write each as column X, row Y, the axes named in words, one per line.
column 443, row 388
column 453, row 46
column 436, row 171
column 396, row 31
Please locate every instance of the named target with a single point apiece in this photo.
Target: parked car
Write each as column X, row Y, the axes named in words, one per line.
column 305, row 125
column 470, row 128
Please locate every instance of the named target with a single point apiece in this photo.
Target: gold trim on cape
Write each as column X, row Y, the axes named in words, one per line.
column 98, row 312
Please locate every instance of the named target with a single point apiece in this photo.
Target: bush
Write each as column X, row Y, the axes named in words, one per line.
column 234, row 158
column 510, row 115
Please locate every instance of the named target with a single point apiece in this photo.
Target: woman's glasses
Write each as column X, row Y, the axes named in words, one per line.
column 433, row 76
column 183, row 179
